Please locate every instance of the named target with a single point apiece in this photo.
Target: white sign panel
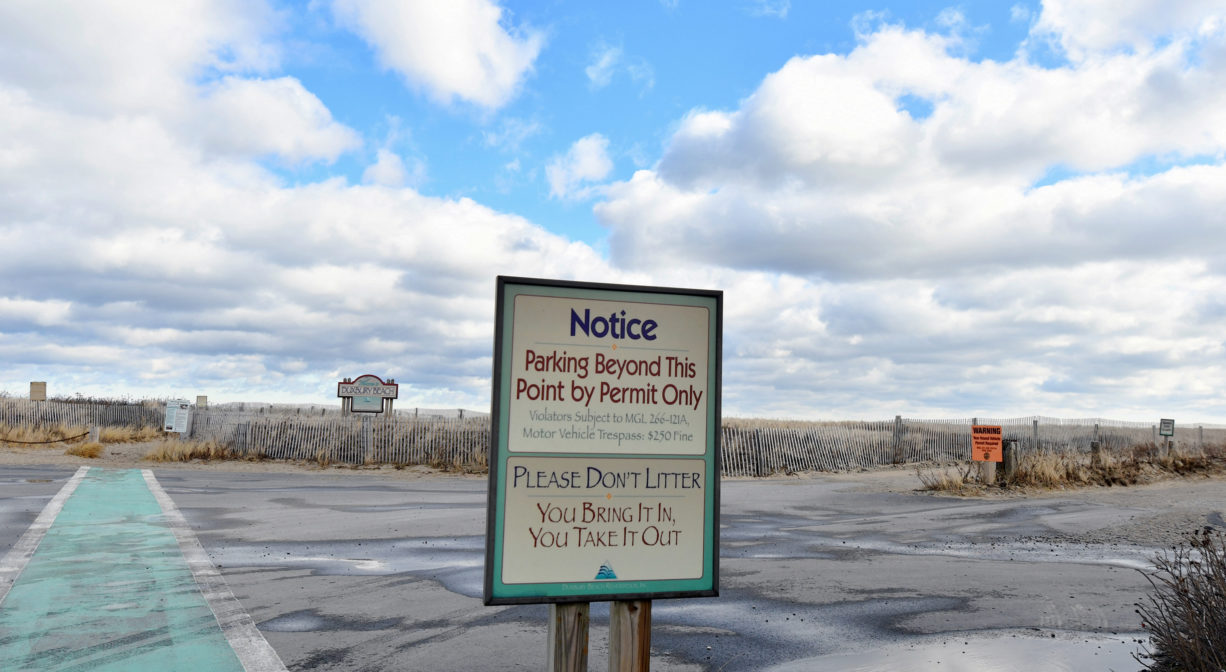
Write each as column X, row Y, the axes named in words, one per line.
column 178, row 416
column 606, row 377
column 604, row 467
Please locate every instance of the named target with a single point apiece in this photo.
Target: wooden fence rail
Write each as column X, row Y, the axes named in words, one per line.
column 747, row 447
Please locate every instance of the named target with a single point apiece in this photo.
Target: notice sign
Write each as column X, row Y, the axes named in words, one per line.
column 178, row 416
column 604, row 474
column 986, row 443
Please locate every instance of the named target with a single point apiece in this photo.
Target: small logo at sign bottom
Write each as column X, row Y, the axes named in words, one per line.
column 606, row 572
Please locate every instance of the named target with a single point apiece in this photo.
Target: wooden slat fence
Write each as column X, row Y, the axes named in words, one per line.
column 26, row 413
column 748, row 447
column 398, row 439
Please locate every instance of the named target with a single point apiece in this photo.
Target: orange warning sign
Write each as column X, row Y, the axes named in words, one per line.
column 986, row 443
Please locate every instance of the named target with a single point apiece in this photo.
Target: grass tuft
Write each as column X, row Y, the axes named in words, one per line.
column 957, row 479
column 39, row 436
column 89, row 450
column 130, row 434
column 1185, row 613
column 186, row 451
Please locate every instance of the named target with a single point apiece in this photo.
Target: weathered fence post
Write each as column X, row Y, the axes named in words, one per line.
column 1034, row 432
column 987, row 470
column 368, row 440
column 898, row 432
column 630, row 636
column 568, row 637
column 1008, row 455
column 93, row 434
column 1096, row 454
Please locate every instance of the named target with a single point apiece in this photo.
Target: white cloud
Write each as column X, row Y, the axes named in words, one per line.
column 884, row 251
column 458, row 49
column 389, row 170
column 773, row 8
column 586, row 161
column 145, row 249
column 511, row 134
column 1088, row 27
column 875, row 260
column 823, row 156
column 273, row 116
column 132, row 56
column 604, row 63
column 607, row 61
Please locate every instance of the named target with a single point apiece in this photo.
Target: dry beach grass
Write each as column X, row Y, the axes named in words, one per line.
column 1144, row 463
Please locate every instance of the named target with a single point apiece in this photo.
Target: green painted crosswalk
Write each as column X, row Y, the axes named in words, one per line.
column 108, row 589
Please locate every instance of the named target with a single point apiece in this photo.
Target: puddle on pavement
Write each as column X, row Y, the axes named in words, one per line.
column 1005, row 653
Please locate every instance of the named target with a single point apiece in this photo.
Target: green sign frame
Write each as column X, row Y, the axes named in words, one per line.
column 604, row 449
column 1166, row 427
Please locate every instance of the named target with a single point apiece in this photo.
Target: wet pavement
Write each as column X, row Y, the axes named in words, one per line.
column 357, row 572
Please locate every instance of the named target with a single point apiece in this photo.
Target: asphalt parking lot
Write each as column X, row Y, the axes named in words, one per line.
column 354, row 571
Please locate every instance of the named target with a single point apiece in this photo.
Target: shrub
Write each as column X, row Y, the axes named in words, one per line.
column 1185, row 614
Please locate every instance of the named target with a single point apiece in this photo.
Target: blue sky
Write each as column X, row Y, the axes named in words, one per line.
column 922, row 208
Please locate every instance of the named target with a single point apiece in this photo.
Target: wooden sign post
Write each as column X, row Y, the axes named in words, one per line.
column 1166, row 428
column 604, row 456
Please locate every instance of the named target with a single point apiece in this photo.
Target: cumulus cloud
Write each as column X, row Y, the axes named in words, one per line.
column 146, row 248
column 824, row 156
column 389, row 170
column 271, row 116
column 934, row 253
column 900, row 229
column 586, row 161
column 453, row 50
column 1087, row 28
column 128, row 55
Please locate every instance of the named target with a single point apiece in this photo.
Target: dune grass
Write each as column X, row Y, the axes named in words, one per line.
column 39, row 436
column 48, row 435
column 186, row 451
column 1047, row 470
column 129, row 434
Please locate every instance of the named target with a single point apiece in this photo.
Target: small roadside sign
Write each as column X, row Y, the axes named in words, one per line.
column 986, row 443
column 1166, row 427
